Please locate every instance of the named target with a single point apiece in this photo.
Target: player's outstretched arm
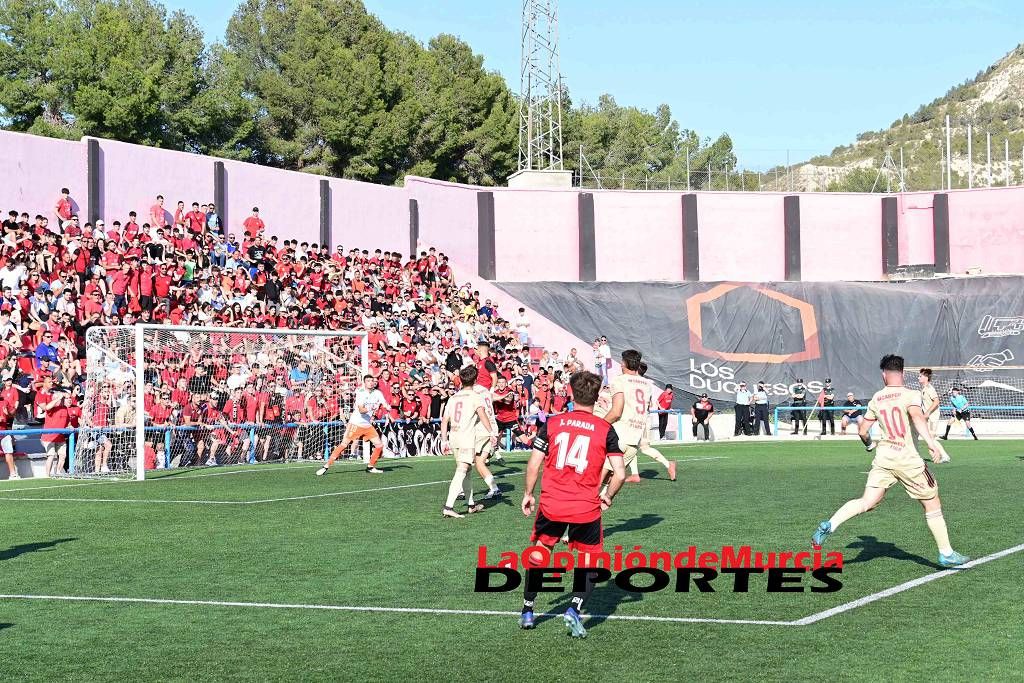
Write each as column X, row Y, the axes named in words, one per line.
column 616, row 412
column 936, row 450
column 444, row 434
column 617, row 479
column 532, row 475
column 865, row 431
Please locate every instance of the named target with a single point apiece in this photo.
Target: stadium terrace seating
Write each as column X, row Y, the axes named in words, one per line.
column 61, row 278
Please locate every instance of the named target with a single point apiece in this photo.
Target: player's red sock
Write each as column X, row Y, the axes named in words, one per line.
column 376, row 455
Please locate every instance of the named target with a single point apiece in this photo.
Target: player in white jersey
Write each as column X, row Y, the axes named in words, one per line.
column 487, row 442
column 930, row 400
column 465, row 418
column 645, row 442
column 368, row 400
column 899, row 414
column 631, row 394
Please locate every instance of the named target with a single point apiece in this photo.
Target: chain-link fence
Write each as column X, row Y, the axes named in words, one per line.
column 975, row 159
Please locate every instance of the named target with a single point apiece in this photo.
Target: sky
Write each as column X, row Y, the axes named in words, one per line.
column 796, row 77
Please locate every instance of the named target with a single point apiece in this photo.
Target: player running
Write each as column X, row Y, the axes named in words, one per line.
column 896, row 460
column 961, row 413
column 573, row 449
column 368, row 401
column 465, row 418
column 630, row 397
column 645, row 442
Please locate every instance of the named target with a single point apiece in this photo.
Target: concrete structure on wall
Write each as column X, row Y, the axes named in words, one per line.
column 562, row 234
column 533, row 179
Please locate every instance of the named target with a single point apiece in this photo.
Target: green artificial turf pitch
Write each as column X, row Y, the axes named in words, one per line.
column 382, row 543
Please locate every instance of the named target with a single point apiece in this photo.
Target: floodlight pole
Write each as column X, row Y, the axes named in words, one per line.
column 949, row 157
column 970, row 158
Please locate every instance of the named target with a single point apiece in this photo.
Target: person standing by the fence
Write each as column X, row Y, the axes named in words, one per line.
column 664, row 404
column 827, row 400
column 743, row 399
column 761, row 411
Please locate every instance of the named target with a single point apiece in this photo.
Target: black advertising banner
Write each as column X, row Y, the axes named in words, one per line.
column 708, row 336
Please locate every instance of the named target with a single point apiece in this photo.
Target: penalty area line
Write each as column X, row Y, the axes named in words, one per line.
column 311, row 496
column 905, row 586
column 398, row 610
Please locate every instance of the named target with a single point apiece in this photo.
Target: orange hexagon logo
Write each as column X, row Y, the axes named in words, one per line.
column 808, row 322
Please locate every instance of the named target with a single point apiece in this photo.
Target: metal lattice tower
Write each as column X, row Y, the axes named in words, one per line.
column 540, row 103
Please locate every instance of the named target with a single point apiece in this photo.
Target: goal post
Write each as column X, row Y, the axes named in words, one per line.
column 181, row 396
column 995, row 396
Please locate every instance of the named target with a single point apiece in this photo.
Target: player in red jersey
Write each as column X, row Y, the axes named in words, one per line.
column 573, row 448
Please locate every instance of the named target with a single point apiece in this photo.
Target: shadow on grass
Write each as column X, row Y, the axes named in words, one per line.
column 604, row 601
column 644, row 521
column 16, row 550
column 3, row 626
column 872, row 549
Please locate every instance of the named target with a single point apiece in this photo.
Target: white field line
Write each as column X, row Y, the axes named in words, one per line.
column 400, row 610
column 806, row 621
column 5, row 497
column 905, row 586
column 245, row 502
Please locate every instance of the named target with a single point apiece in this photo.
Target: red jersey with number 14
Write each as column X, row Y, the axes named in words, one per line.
column 576, row 445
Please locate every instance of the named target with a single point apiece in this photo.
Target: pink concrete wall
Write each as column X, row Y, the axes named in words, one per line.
column 131, row 176
column 986, row 230
column 369, row 216
column 448, row 217
column 34, row 169
column 916, row 228
column 647, row 226
column 289, row 201
column 741, row 236
column 536, row 235
column 840, row 237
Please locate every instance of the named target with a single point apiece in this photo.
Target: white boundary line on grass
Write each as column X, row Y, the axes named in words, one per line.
column 244, row 502
column 805, row 621
column 905, row 586
column 401, row 610
column 5, row 497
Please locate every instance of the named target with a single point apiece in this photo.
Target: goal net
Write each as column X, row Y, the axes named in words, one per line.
column 159, row 396
column 995, row 396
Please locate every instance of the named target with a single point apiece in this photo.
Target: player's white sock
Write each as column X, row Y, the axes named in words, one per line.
column 633, row 470
column 656, row 454
column 937, row 525
column 849, row 510
column 467, row 488
column 455, row 487
column 489, row 480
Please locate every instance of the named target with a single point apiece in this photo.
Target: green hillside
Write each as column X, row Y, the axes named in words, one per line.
column 992, row 102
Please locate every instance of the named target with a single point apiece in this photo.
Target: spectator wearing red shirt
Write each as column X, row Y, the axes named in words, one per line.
column 195, row 220
column 64, row 207
column 254, row 225
column 179, row 214
column 57, row 411
column 664, row 403
column 119, row 281
column 157, row 213
column 7, row 414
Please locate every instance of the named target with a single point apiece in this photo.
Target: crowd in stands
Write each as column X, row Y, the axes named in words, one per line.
column 61, row 278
